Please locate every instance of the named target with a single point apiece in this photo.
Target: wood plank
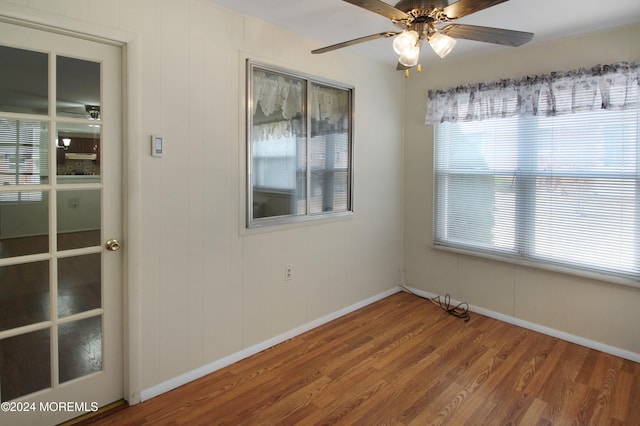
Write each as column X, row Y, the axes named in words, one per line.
column 404, row 361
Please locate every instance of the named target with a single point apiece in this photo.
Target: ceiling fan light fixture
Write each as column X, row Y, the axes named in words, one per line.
column 419, row 20
column 93, row 111
column 411, row 57
column 405, row 42
column 441, row 43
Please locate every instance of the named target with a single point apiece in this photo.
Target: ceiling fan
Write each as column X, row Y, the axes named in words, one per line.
column 419, row 20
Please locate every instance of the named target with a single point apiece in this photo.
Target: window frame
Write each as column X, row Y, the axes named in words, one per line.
column 308, row 215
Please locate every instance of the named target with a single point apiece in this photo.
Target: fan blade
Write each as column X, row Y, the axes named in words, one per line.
column 467, row 7
column 355, row 41
column 488, row 34
column 381, row 8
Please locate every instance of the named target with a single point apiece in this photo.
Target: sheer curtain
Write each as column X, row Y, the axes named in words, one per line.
column 282, row 99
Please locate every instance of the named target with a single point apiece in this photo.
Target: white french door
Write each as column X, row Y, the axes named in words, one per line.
column 60, row 224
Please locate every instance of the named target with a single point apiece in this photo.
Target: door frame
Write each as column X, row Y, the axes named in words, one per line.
column 132, row 178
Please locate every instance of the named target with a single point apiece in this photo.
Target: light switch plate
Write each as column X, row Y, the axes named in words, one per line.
column 157, row 146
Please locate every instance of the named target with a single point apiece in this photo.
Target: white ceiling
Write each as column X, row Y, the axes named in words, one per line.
column 335, row 21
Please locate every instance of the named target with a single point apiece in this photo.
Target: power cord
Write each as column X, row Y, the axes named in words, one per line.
column 461, row 310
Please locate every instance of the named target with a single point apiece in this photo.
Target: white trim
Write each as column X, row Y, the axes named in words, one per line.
column 252, row 350
column 591, row 344
column 548, row 266
column 38, row 19
column 132, row 156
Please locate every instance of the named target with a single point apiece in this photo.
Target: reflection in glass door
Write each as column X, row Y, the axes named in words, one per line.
column 56, row 290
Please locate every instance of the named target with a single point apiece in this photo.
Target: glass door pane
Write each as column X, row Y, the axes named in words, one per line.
column 24, row 85
column 78, row 218
column 24, row 223
column 77, row 88
column 24, row 152
column 28, row 356
column 79, row 284
column 78, row 153
column 24, row 294
column 80, row 348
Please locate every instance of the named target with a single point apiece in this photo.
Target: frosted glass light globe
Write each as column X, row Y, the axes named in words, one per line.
column 410, row 58
column 442, row 44
column 405, row 42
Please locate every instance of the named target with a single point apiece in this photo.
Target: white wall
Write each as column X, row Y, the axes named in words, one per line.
column 205, row 287
column 600, row 311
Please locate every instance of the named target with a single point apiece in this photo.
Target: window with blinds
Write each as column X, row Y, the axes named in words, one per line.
column 555, row 189
column 542, row 169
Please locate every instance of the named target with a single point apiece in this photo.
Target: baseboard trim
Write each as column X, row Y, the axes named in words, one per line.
column 592, row 344
column 252, row 350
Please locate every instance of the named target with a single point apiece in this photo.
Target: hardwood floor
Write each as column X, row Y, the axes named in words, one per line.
column 404, row 361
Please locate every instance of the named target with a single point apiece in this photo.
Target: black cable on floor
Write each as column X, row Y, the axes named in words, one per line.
column 461, row 310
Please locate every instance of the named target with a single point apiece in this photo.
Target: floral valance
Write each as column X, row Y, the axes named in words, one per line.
column 601, row 87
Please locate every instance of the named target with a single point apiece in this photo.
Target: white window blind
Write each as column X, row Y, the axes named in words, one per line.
column 23, row 157
column 554, row 188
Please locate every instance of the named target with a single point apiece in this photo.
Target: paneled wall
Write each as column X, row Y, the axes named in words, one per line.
column 600, row 311
column 204, row 286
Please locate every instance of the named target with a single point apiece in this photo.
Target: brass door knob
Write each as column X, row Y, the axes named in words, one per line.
column 112, row 245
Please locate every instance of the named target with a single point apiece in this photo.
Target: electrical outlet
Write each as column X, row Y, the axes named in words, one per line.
column 288, row 272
